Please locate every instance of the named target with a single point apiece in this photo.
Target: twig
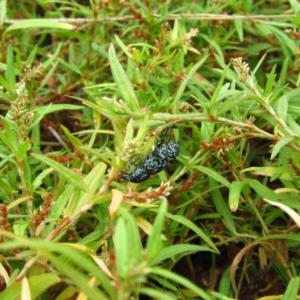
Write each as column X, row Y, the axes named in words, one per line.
column 170, row 17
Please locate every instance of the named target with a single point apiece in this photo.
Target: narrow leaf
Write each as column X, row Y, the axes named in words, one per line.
column 283, row 141
column 183, row 281
column 173, row 250
column 2, row 12
column 39, row 23
column 234, row 194
column 70, row 176
column 221, row 206
column 122, row 81
column 10, row 71
column 196, row 229
column 292, row 289
column 186, row 80
column 154, row 242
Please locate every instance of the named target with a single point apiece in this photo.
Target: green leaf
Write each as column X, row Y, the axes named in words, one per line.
column 7, row 141
column 231, row 102
column 207, row 131
column 295, row 5
column 153, row 293
column 39, row 23
column 284, row 39
column 92, row 181
column 121, row 248
column 173, row 250
column 70, row 176
column 186, row 80
column 284, row 73
column 221, row 206
column 234, row 194
column 123, row 47
column 122, row 81
column 129, row 132
column 182, row 281
column 23, row 148
column 51, row 108
column 51, row 61
column 214, row 97
column 38, row 284
column 238, row 24
column 77, row 276
column 72, row 261
column 134, row 239
column 32, row 55
column 38, row 181
column 4, row 68
column 59, row 206
column 3, row 11
column 213, row 174
column 6, row 187
column 271, row 82
column 281, row 107
column 257, row 67
column 69, row 67
column 10, row 71
column 49, row 74
column 11, row 138
column 225, row 283
column 74, row 140
column 4, row 84
column 20, row 227
column 154, row 241
column 193, row 227
column 281, row 143
column 292, row 289
column 262, row 190
column 215, row 45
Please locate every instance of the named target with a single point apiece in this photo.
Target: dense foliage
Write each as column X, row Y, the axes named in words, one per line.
column 91, row 89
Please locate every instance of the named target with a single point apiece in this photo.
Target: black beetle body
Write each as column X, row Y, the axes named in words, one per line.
column 138, row 175
column 157, row 161
column 161, row 157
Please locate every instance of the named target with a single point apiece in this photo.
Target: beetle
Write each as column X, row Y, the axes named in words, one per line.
column 138, row 175
column 161, row 157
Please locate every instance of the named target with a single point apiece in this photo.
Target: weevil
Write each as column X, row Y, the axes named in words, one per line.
column 161, row 157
